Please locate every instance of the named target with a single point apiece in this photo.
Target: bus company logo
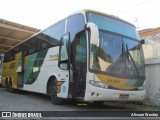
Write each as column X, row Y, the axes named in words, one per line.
column 53, row 57
column 6, row 114
column 21, row 115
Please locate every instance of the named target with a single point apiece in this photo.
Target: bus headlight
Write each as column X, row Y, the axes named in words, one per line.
column 98, row 84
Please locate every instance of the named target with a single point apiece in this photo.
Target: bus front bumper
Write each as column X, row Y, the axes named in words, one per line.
column 101, row 94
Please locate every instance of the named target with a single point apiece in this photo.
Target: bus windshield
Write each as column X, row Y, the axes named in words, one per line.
column 118, row 55
column 111, row 24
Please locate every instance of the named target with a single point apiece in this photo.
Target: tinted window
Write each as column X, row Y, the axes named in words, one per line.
column 53, row 34
column 8, row 57
column 112, row 24
column 32, row 45
column 75, row 24
column 46, row 39
column 56, row 31
column 81, row 53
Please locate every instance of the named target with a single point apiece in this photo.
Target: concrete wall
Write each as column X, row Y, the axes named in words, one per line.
column 153, row 81
column 152, row 63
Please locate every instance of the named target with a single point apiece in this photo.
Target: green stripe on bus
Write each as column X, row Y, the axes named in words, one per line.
column 29, row 66
column 135, row 82
column 36, row 66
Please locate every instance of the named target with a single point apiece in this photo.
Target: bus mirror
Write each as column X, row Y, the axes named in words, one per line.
column 142, row 41
column 94, row 33
column 64, row 52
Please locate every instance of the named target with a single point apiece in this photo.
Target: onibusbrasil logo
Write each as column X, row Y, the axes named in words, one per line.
column 21, row 114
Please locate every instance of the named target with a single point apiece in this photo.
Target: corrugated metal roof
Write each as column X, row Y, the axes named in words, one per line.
column 12, row 34
column 149, row 31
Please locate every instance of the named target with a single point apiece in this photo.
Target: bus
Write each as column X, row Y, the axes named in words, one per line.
column 1, row 60
column 89, row 56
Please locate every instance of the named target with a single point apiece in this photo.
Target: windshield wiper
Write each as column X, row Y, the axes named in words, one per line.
column 129, row 55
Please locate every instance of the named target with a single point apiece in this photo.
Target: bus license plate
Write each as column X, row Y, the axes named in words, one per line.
column 123, row 96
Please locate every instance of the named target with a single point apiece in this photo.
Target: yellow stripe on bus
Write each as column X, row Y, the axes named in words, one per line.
column 115, row 82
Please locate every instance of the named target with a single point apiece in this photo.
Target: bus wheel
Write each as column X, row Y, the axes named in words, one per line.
column 10, row 89
column 6, row 85
column 98, row 102
column 55, row 100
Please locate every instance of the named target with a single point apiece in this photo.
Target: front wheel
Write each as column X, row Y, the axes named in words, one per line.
column 55, row 100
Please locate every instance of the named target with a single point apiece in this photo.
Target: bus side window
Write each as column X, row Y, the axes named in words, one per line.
column 24, row 49
column 55, row 33
column 44, row 45
column 75, row 24
column 31, row 50
column 33, row 45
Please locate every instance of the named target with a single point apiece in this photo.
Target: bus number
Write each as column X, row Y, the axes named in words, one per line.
column 114, row 81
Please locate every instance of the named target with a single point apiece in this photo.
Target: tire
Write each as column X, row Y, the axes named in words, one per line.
column 98, row 102
column 7, row 85
column 49, row 87
column 55, row 100
column 10, row 89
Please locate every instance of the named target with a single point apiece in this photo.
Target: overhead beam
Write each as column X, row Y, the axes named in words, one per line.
column 2, row 50
column 16, row 28
column 6, row 45
column 9, row 38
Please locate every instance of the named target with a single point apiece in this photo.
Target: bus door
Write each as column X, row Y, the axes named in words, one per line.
column 19, row 69
column 79, row 62
column 72, row 60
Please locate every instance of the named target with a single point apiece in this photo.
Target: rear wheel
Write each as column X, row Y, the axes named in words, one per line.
column 55, row 100
column 10, row 89
column 6, row 85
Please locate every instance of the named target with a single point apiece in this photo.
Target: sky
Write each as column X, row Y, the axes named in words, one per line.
column 43, row 13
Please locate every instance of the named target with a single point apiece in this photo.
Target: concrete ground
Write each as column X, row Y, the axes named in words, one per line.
column 28, row 101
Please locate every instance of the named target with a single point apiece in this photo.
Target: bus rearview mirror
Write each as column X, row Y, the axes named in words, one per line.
column 94, row 33
column 64, row 52
column 142, row 41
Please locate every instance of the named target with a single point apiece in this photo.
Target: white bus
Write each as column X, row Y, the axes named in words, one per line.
column 88, row 56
